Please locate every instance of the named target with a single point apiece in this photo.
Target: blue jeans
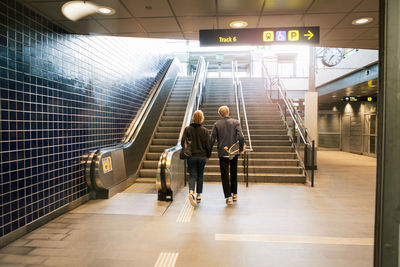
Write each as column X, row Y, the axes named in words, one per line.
column 196, row 172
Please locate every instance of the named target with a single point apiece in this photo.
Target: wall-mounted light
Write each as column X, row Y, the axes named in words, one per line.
column 75, row 10
column 238, row 24
column 362, row 21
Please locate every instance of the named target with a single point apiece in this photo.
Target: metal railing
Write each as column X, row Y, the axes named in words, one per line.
column 304, row 145
column 170, row 166
column 241, row 109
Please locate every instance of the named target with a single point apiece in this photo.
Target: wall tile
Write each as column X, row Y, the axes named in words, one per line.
column 61, row 96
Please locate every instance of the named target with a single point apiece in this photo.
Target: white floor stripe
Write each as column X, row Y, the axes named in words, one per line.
column 296, row 239
column 186, row 213
column 166, row 259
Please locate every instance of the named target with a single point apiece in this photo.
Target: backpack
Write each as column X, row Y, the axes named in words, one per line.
column 186, row 151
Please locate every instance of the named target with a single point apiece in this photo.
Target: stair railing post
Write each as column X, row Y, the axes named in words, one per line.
column 312, row 163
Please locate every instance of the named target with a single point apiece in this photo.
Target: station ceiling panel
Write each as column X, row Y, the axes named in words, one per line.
column 183, row 19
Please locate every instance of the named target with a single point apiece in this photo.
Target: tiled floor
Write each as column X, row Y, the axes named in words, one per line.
column 271, row 225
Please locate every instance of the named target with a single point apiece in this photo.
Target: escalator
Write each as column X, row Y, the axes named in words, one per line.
column 168, row 129
column 157, row 127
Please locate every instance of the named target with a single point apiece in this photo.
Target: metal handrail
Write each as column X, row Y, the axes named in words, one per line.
column 245, row 117
column 238, row 88
column 299, row 124
column 235, row 88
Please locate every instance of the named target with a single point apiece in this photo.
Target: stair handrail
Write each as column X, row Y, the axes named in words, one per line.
column 235, row 87
column 239, row 91
column 296, row 118
column 163, row 179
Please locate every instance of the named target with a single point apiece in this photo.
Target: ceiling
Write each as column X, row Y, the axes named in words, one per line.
column 182, row 19
column 369, row 88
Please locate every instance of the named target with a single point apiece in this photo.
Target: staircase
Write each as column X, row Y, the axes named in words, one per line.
column 273, row 158
column 218, row 92
column 168, row 129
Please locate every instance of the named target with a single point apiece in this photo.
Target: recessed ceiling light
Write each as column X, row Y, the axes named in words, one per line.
column 106, row 10
column 362, row 21
column 238, row 24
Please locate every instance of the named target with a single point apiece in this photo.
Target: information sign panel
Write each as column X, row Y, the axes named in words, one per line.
column 260, row 36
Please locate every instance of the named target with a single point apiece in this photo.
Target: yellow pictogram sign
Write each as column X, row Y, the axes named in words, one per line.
column 369, row 99
column 268, row 36
column 107, row 166
column 293, row 35
column 309, row 35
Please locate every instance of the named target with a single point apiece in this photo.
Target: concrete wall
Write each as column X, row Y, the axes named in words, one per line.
column 347, row 119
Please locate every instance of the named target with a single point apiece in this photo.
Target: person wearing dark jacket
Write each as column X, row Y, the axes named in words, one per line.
column 201, row 151
column 227, row 131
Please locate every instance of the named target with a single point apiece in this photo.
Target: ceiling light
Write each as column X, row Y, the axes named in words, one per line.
column 75, row 10
column 362, row 21
column 106, row 10
column 238, row 24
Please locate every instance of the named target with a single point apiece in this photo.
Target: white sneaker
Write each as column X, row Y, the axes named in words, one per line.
column 229, row 201
column 192, row 200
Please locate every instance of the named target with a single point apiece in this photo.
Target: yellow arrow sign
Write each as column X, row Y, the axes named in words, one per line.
column 309, row 35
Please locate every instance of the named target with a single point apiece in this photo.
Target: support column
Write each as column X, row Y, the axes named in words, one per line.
column 387, row 220
column 311, row 101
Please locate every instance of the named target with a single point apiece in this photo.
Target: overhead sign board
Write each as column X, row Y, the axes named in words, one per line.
column 259, row 36
column 359, row 99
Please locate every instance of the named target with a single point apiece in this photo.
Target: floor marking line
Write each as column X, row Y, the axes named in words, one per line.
column 324, row 240
column 185, row 213
column 166, row 259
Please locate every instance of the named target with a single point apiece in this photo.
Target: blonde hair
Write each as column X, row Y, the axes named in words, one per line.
column 198, row 117
column 223, row 111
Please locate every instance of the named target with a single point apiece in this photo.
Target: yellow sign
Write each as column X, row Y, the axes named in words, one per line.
column 268, row 36
column 309, row 35
column 228, row 39
column 293, row 35
column 107, row 166
column 369, row 99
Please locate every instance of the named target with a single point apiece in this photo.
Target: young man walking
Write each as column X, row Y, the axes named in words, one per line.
column 227, row 131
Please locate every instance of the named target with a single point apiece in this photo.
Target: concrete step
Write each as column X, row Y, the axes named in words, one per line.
column 153, row 156
column 173, row 118
column 158, row 148
column 259, row 169
column 146, row 180
column 176, row 108
column 170, row 123
column 262, row 177
column 269, row 137
column 169, row 129
column 148, row 173
column 174, row 135
column 260, row 162
column 168, row 142
column 257, row 143
column 272, row 148
column 150, row 164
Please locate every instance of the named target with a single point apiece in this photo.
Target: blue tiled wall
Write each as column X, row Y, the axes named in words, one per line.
column 61, row 95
